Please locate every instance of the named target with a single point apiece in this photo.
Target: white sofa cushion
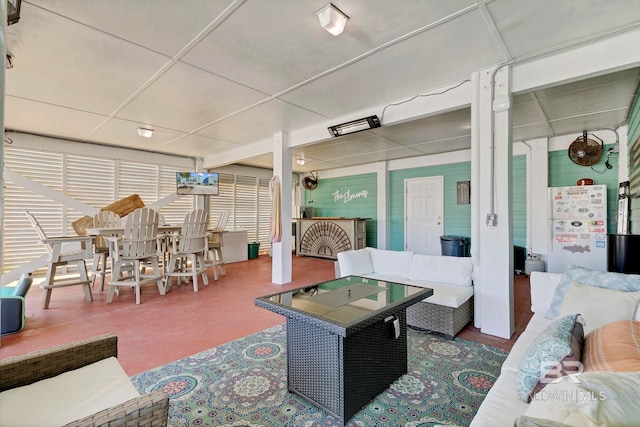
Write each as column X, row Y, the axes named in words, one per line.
column 385, row 261
column 543, row 286
column 502, row 406
column 67, row 397
column 444, row 294
column 601, row 279
column 598, row 306
column 592, row 399
column 355, row 263
column 442, row 269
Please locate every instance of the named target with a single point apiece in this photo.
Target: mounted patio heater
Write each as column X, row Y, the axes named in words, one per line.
column 365, row 123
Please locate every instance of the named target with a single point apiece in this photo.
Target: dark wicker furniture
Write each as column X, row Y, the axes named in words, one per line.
column 149, row 410
column 447, row 321
column 345, row 345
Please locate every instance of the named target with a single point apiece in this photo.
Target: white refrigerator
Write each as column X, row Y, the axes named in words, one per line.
column 578, row 227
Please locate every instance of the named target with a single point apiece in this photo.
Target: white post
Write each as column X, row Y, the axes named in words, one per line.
column 281, row 261
column 492, row 145
column 382, row 175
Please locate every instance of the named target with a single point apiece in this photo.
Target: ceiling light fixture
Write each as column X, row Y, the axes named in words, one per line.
column 301, row 161
column 145, row 132
column 332, row 19
column 365, row 123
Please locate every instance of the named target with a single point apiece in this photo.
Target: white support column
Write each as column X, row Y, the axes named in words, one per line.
column 382, row 176
column 491, row 144
column 281, row 261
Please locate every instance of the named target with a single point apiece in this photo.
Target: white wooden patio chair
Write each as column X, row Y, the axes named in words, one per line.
column 214, row 245
column 103, row 219
column 187, row 250
column 137, row 248
column 60, row 258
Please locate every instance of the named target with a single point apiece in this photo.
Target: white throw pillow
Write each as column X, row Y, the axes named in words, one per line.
column 355, row 263
column 590, row 399
column 598, row 306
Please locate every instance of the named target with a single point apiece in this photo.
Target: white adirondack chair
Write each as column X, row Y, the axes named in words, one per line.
column 58, row 258
column 214, row 245
column 138, row 247
column 187, row 250
column 103, row 219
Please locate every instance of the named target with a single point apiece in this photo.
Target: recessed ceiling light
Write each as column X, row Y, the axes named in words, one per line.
column 146, row 132
column 301, row 161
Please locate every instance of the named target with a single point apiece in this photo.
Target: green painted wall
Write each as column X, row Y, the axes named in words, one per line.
column 519, row 200
column 563, row 172
column 457, row 218
column 350, row 197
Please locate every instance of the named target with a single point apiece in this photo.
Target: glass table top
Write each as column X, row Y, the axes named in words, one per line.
column 344, row 300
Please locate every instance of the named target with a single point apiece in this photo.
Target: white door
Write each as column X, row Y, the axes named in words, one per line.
column 423, row 207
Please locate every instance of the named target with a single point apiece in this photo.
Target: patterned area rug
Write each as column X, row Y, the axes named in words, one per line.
column 243, row 383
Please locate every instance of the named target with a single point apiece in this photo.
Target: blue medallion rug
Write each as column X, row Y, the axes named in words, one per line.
column 243, row 383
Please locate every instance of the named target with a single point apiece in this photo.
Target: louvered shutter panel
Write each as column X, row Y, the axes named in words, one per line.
column 138, row 178
column 223, row 201
column 174, row 212
column 247, row 206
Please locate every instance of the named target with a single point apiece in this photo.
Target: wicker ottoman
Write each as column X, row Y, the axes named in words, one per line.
column 439, row 318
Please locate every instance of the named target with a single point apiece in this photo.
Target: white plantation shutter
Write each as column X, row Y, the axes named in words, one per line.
column 174, row 212
column 264, row 213
column 90, row 181
column 248, row 200
column 224, row 201
column 246, row 212
column 138, row 178
column 94, row 181
column 21, row 244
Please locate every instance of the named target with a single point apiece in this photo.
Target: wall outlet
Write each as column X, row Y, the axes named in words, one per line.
column 492, row 220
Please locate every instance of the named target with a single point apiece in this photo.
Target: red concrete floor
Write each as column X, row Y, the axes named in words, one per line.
column 166, row 328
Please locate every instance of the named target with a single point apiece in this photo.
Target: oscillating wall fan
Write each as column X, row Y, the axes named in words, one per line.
column 310, row 182
column 585, row 151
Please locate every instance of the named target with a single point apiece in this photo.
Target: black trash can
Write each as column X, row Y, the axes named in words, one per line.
column 453, row 245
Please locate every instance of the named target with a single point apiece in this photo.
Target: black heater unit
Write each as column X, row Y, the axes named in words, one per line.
column 13, row 11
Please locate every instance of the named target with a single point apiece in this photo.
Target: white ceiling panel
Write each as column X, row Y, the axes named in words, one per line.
column 85, row 69
column 186, row 98
column 46, row 119
column 195, row 145
column 530, row 131
column 211, row 75
column 273, row 47
column 608, row 119
column 443, row 146
column 552, row 23
column 371, row 157
column 527, row 110
column 165, row 26
column 349, row 145
column 404, row 69
column 434, row 128
column 125, row 133
column 267, row 118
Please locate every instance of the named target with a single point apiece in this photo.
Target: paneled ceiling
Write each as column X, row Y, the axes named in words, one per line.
column 215, row 75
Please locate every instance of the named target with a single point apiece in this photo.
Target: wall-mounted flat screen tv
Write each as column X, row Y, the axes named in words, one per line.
column 197, row 183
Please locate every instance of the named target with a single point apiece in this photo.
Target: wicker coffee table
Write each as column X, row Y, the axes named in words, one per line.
column 346, row 339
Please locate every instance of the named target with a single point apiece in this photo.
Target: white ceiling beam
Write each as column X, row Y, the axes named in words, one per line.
column 595, row 59
column 238, row 154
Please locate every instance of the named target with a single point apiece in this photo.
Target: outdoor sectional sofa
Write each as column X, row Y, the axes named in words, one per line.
column 593, row 381
column 76, row 384
column 450, row 307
